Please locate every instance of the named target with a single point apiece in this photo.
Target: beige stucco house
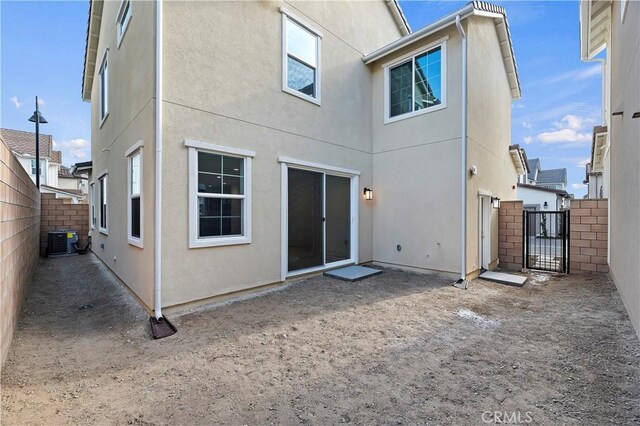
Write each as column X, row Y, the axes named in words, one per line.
column 233, row 142
column 612, row 27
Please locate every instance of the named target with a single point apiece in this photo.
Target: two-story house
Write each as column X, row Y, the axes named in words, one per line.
column 239, row 145
column 609, row 34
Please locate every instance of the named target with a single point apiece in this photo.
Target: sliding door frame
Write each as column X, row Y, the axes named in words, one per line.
column 354, row 177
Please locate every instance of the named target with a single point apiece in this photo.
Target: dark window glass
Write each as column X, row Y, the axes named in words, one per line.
column 400, row 86
column 219, row 217
column 135, row 217
column 301, row 77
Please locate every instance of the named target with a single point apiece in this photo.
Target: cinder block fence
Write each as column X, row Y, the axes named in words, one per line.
column 510, row 238
column 19, row 231
column 588, row 236
column 62, row 215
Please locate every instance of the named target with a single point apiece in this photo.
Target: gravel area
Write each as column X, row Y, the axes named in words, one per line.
column 398, row 348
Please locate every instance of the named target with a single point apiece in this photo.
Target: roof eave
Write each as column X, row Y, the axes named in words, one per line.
column 91, row 47
column 470, row 9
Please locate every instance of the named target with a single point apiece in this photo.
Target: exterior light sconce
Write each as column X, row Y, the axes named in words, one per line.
column 546, row 205
column 368, row 194
column 495, row 202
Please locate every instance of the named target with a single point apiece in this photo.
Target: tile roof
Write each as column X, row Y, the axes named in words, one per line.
column 533, row 166
column 25, row 143
column 552, row 176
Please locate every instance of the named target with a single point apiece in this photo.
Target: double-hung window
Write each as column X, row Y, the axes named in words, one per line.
column 301, row 59
column 122, row 19
column 102, row 202
column 103, row 80
column 416, row 84
column 134, row 203
column 219, row 195
column 92, row 200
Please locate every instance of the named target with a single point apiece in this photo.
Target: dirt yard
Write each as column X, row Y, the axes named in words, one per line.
column 398, row 348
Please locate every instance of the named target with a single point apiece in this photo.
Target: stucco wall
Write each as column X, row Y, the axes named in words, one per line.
column 625, row 157
column 131, row 118
column 227, row 90
column 416, row 180
column 19, row 237
column 489, row 137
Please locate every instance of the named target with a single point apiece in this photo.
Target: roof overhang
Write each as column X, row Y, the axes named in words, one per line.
column 476, row 8
column 517, row 156
column 595, row 25
column 84, row 166
column 91, row 47
column 398, row 16
column 598, row 148
column 559, row 192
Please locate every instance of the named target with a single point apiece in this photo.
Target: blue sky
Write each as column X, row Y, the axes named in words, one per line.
column 42, row 52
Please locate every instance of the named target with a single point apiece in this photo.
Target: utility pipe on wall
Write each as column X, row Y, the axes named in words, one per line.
column 157, row 306
column 462, row 282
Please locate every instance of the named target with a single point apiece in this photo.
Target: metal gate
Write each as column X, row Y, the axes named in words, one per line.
column 546, row 240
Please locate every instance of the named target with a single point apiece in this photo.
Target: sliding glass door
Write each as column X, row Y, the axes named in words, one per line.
column 319, row 219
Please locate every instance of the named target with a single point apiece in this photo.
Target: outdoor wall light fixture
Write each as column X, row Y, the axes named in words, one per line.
column 495, row 202
column 546, row 205
column 368, row 194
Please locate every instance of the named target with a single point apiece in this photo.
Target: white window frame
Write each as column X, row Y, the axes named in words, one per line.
column 103, row 176
column 122, row 21
column 104, row 91
column 442, row 43
column 136, row 149
column 287, row 15
column 93, row 219
column 326, row 169
column 194, row 241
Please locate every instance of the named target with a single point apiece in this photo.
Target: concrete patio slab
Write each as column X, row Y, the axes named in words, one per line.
column 504, row 278
column 353, row 273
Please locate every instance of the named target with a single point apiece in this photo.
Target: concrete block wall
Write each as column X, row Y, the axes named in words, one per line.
column 19, row 241
column 510, row 238
column 589, row 236
column 62, row 215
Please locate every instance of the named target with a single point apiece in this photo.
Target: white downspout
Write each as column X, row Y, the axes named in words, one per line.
column 462, row 282
column 157, row 307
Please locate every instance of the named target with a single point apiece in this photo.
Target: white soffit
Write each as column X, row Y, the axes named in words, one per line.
column 595, row 22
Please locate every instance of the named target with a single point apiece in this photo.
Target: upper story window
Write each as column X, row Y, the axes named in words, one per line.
column 42, row 167
column 219, row 195
column 301, row 59
column 135, row 209
column 103, row 81
column 122, row 20
column 416, row 84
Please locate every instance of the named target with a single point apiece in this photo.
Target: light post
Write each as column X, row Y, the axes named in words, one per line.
column 37, row 118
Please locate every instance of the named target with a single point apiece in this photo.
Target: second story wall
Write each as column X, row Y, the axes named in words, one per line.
column 226, row 59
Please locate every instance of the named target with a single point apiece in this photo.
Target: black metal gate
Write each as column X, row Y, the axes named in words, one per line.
column 546, row 240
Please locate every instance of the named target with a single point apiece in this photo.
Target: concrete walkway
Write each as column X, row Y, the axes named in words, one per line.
column 392, row 349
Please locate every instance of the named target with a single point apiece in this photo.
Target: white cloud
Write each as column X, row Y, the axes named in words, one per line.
column 583, row 162
column 567, row 130
column 528, row 139
column 78, row 148
column 55, row 144
column 527, row 124
column 40, row 102
column 577, row 74
column 578, row 186
column 16, row 102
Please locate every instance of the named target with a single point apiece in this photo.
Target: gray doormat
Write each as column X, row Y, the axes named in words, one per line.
column 502, row 278
column 352, row 273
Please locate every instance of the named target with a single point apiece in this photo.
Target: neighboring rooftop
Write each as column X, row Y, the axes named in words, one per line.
column 552, row 176
column 24, row 143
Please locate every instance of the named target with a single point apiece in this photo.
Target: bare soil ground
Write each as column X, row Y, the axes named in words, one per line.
column 398, row 348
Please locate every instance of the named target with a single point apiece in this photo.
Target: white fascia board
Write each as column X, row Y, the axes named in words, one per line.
column 418, row 35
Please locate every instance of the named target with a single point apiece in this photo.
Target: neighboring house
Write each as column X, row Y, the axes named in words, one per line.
column 612, row 27
column 597, row 169
column 552, row 178
column 274, row 118
column 54, row 177
column 69, row 180
column 23, row 146
column 544, row 189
